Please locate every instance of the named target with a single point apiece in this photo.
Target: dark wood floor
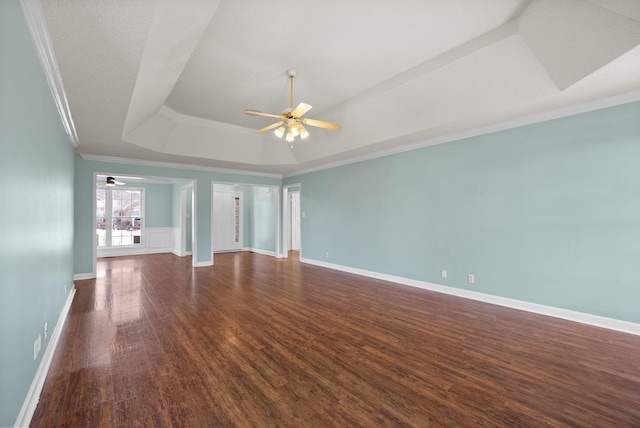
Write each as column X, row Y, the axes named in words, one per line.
column 256, row 341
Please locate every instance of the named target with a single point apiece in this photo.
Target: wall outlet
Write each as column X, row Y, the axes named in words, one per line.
column 471, row 278
column 46, row 331
column 443, row 273
column 326, row 254
column 65, row 289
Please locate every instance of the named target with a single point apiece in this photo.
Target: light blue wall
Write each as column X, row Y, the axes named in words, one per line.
column 84, row 228
column 36, row 210
column 158, row 204
column 263, row 218
column 247, row 210
column 547, row 213
column 176, row 214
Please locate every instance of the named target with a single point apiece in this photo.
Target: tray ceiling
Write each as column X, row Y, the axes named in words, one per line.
column 168, row 80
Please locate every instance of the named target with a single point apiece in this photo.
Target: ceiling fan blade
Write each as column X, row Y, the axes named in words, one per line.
column 321, row 124
column 301, row 110
column 259, row 113
column 267, row 128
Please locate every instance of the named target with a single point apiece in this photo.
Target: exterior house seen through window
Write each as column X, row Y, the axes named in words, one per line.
column 119, row 216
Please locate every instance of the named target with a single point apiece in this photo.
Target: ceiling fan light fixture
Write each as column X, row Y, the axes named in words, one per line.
column 110, row 181
column 279, row 132
column 292, row 120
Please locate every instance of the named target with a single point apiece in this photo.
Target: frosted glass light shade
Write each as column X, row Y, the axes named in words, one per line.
column 279, row 132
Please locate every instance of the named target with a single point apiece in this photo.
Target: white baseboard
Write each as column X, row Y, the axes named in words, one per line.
column 581, row 317
column 80, row 276
column 33, row 396
column 203, row 264
column 177, row 253
column 259, row 251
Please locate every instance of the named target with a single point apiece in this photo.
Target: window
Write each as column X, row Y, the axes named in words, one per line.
column 119, row 216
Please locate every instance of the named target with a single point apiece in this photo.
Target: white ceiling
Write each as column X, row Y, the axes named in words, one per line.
column 168, row 80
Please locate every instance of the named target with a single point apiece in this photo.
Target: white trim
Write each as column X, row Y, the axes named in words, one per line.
column 530, row 119
column 188, row 167
column 94, row 238
column 37, row 25
column 203, row 264
column 566, row 314
column 33, row 396
column 81, row 276
column 176, row 241
column 194, row 225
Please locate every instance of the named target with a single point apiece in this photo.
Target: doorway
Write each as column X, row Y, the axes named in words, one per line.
column 227, row 221
column 124, row 227
column 291, row 218
column 295, row 220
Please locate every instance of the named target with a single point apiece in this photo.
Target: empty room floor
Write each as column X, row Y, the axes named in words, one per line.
column 258, row 341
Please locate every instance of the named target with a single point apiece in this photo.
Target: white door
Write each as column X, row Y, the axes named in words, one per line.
column 295, row 221
column 227, row 221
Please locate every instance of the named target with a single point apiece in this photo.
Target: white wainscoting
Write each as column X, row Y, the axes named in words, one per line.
column 154, row 240
column 176, row 235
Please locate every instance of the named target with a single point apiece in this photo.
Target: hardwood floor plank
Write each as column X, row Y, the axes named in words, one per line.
column 258, row 341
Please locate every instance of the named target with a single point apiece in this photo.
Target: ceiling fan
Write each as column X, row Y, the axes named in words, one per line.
column 291, row 120
column 111, row 181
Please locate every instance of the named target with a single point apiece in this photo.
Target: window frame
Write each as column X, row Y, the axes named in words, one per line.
column 109, row 219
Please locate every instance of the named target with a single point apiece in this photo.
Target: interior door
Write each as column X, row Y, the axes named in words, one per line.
column 295, row 221
column 227, row 221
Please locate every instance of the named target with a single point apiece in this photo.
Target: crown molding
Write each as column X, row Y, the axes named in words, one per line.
column 531, row 119
column 37, row 26
column 128, row 161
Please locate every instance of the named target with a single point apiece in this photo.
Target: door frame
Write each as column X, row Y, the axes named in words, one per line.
column 278, row 216
column 194, row 236
column 286, row 218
